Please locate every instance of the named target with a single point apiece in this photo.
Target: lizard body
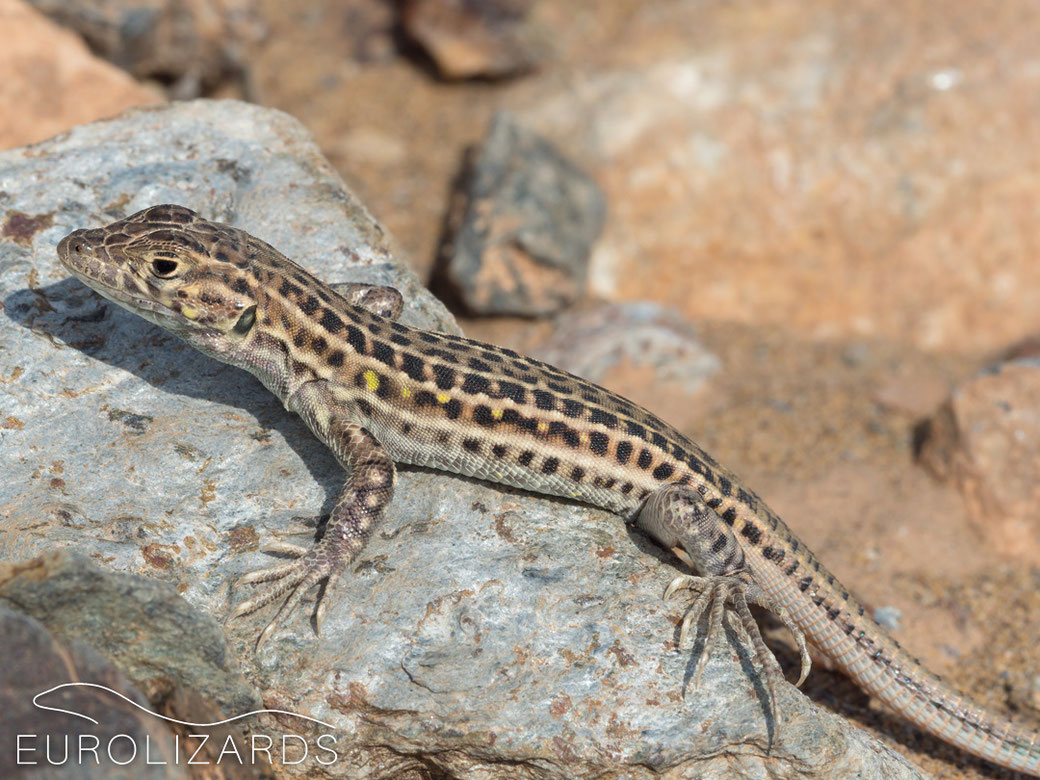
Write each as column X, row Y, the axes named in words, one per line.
column 377, row 392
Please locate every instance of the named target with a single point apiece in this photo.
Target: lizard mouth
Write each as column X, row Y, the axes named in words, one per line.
column 84, row 254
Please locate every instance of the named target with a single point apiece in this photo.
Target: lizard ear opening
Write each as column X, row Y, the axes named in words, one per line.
column 245, row 322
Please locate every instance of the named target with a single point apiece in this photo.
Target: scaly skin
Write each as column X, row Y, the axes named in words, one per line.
column 378, row 392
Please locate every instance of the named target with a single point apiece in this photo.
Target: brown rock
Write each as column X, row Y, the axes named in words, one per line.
column 470, row 38
column 191, row 45
column 43, row 679
column 986, row 440
column 49, row 82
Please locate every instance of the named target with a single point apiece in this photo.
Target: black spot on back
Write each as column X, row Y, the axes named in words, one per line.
column 572, row 408
column 331, row 322
column 444, row 376
column 356, row 339
column 436, row 352
column 512, row 390
column 663, row 471
column 597, row 415
column 412, row 365
column 544, row 400
column 384, row 353
column 598, row 442
column 565, row 432
column 475, row 383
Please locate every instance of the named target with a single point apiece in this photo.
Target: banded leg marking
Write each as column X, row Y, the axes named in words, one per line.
column 361, row 503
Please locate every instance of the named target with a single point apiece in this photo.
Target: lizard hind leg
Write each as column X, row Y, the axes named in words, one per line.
column 678, row 517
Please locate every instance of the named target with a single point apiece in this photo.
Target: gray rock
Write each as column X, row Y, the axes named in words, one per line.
column 530, row 218
column 482, row 633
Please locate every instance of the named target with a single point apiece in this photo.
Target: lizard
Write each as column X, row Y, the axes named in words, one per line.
column 378, row 393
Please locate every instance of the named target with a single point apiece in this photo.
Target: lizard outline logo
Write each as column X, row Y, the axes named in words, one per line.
column 37, row 749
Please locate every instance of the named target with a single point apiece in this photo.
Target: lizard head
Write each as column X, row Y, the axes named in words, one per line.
column 173, row 268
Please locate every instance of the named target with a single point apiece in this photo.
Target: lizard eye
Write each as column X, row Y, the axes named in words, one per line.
column 163, row 267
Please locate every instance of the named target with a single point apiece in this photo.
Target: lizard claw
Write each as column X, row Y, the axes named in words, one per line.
column 717, row 592
column 296, row 578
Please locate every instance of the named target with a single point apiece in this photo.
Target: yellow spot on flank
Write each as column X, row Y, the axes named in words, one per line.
column 443, row 398
column 371, row 380
column 190, row 312
column 543, row 427
column 406, row 393
column 497, row 414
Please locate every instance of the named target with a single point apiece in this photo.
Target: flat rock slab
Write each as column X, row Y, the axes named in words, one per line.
column 483, row 632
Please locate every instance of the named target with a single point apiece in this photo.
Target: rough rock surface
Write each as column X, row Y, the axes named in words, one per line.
column 986, row 440
column 527, row 227
column 50, row 82
column 483, row 633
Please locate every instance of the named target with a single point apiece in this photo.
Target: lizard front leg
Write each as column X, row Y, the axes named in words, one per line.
column 678, row 517
column 365, row 495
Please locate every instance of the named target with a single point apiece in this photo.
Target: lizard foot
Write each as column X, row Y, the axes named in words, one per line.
column 735, row 590
column 296, row 578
